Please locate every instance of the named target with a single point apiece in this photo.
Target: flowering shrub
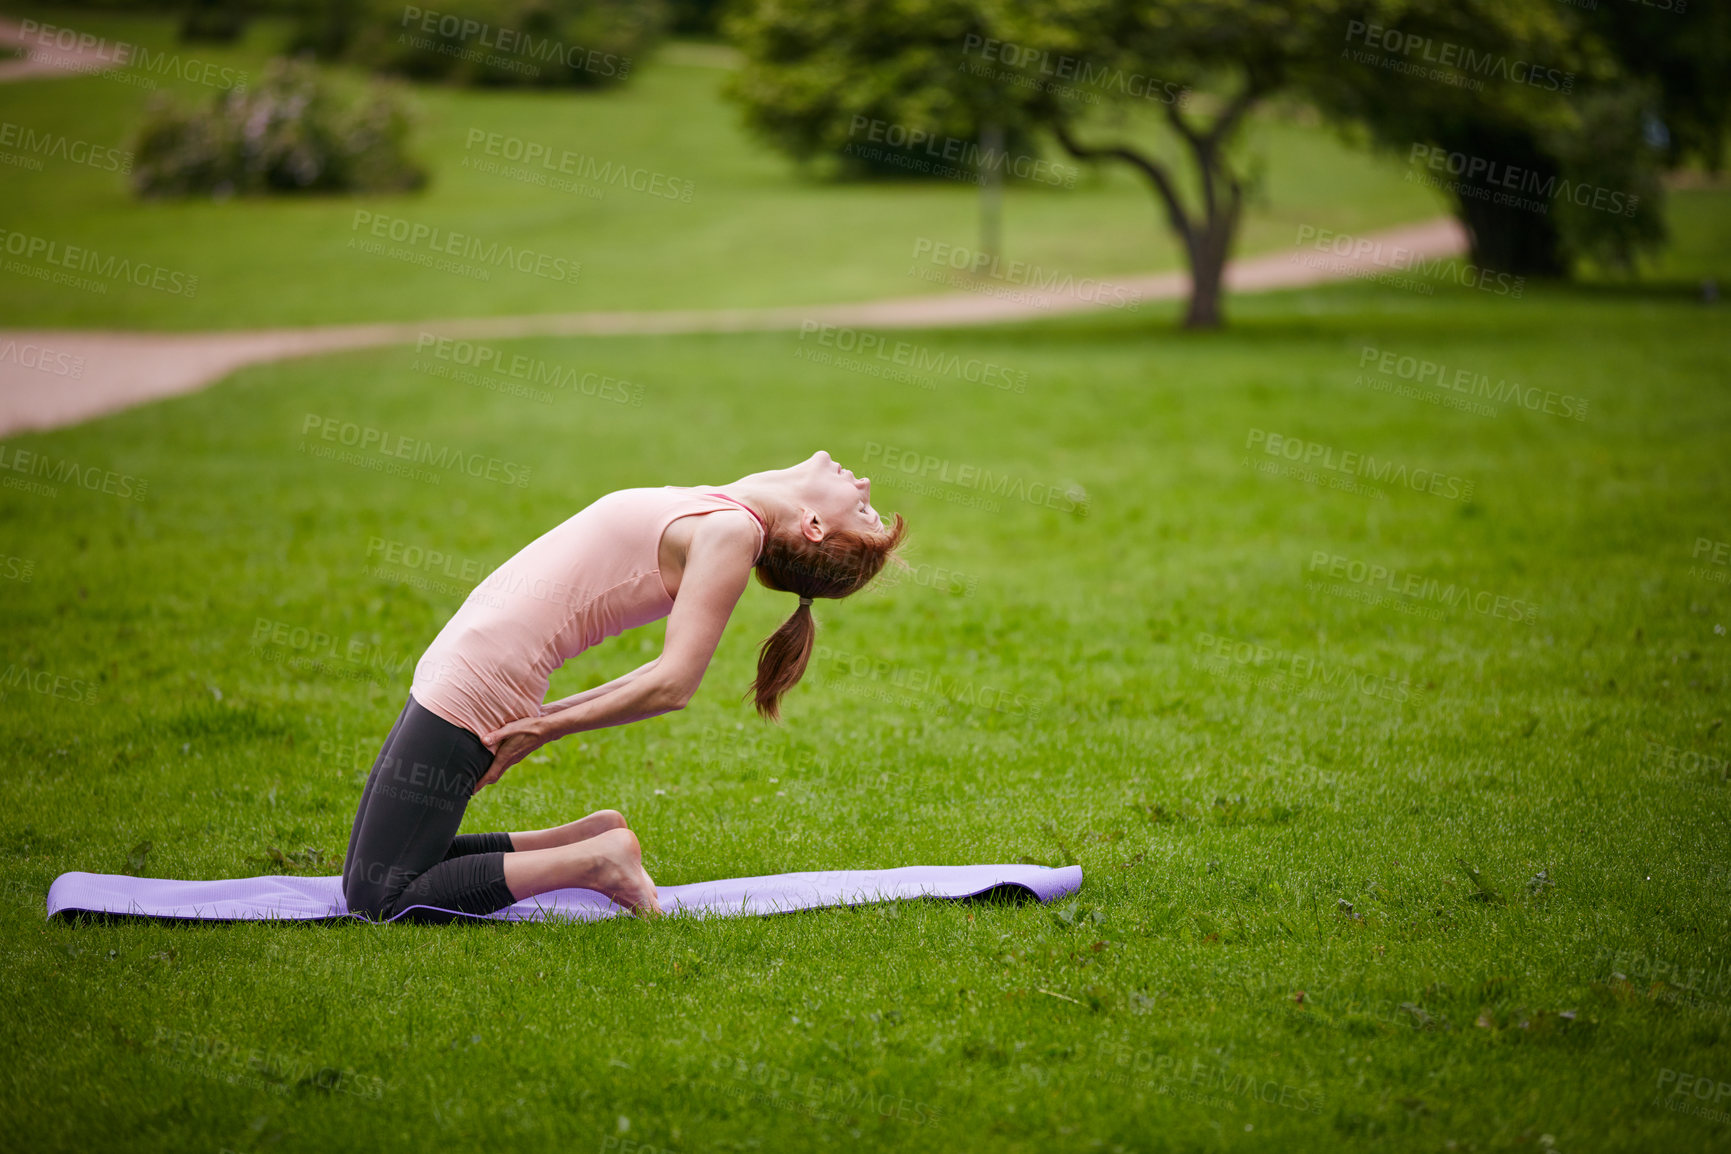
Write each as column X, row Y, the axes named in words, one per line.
column 286, row 135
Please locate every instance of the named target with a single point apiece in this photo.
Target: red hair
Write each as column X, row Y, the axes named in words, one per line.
column 842, row 563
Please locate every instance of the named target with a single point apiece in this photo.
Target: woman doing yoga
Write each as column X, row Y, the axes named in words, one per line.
column 476, row 706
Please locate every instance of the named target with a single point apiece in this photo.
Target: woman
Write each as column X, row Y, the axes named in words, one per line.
column 476, row 705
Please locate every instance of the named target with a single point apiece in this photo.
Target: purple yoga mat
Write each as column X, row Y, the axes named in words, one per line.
column 308, row 899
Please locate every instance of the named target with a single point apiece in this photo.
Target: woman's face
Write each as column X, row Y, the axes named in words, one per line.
column 840, row 499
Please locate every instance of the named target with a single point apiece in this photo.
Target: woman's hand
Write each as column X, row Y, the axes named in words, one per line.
column 510, row 745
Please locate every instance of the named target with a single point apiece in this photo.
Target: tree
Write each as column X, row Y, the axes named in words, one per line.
column 1239, row 52
column 1531, row 124
column 945, row 68
column 1550, row 124
column 1564, row 98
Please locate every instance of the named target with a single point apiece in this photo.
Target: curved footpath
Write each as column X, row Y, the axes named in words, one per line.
column 50, row 378
column 117, row 370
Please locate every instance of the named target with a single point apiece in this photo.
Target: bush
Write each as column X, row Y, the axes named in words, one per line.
column 212, row 21
column 325, row 28
column 545, row 43
column 286, row 135
column 844, row 87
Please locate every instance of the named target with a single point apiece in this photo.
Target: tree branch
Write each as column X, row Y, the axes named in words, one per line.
column 1152, row 169
column 1235, row 111
column 1206, row 145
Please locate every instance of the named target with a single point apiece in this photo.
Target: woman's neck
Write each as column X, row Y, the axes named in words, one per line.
column 771, row 502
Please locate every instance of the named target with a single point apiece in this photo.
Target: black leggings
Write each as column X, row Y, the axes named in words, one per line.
column 405, row 850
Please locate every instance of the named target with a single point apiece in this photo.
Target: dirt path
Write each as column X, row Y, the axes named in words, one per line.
column 39, row 388
column 50, row 59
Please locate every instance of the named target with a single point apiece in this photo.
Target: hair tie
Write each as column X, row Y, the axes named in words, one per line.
column 805, row 600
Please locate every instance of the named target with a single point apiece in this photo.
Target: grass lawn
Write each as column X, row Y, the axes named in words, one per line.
column 755, row 231
column 1279, row 945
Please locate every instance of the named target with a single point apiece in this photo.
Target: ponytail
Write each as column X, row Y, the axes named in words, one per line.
column 782, row 659
column 842, row 563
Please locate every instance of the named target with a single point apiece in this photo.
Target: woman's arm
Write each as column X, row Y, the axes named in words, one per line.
column 548, row 707
column 717, row 566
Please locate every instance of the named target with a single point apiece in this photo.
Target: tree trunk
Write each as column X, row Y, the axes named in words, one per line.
column 1207, row 238
column 1207, row 275
column 1506, row 239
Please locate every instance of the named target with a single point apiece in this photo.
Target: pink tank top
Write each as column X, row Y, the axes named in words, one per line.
column 588, row 579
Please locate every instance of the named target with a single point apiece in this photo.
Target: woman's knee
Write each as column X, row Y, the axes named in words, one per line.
column 372, row 890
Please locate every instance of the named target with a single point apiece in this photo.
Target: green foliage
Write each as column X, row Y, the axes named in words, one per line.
column 847, row 83
column 1603, row 151
column 286, row 135
column 1597, row 79
column 213, row 21
column 696, row 17
column 534, row 43
column 1682, row 51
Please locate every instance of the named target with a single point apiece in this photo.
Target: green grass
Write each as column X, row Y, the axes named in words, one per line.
column 1221, row 825
column 755, row 232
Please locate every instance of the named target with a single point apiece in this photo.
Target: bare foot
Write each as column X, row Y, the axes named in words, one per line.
column 610, row 863
column 623, row 877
